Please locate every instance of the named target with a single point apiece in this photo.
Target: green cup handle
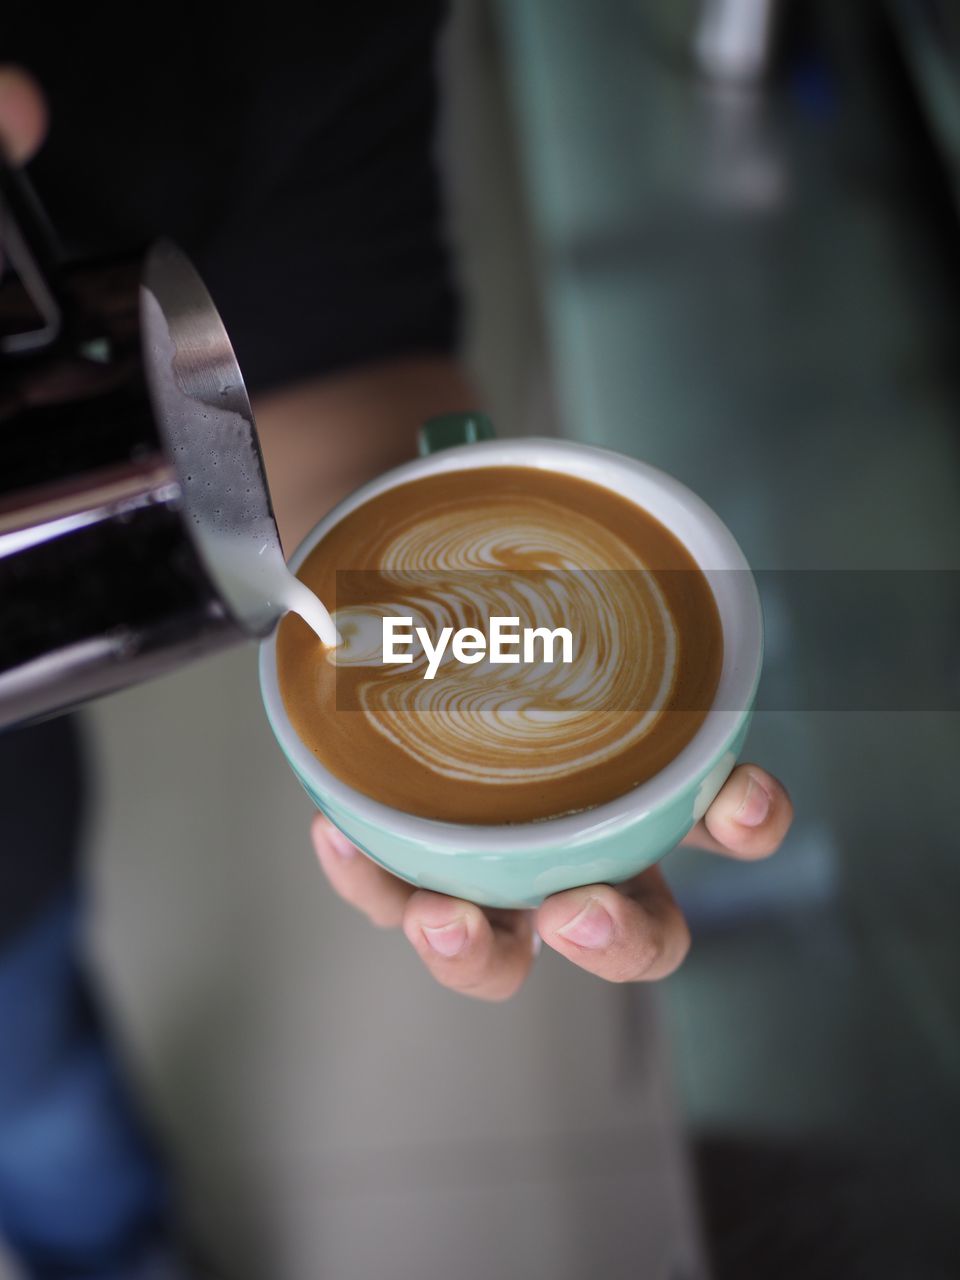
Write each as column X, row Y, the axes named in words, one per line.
column 450, row 429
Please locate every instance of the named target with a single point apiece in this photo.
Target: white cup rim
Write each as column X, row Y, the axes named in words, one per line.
column 715, row 551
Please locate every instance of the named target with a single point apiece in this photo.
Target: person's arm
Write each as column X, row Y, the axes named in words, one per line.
column 323, row 438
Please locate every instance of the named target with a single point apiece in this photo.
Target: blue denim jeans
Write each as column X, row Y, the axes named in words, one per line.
column 82, row 1193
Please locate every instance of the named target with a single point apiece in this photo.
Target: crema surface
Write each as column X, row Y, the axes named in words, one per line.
column 503, row 742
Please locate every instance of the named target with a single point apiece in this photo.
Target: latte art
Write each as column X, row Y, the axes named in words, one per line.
column 492, row 735
column 522, row 722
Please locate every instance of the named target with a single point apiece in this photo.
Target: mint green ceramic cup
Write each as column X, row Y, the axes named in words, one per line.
column 519, row 865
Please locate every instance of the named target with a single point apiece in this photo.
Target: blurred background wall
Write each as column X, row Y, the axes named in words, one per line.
column 721, row 237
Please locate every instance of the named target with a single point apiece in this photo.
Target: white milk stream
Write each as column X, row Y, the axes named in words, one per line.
column 259, row 577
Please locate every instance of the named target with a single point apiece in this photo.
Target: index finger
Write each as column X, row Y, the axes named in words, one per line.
column 632, row 933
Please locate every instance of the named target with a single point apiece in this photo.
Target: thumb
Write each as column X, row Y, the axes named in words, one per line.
column 23, row 115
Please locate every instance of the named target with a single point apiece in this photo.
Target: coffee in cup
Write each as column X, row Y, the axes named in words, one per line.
column 436, row 705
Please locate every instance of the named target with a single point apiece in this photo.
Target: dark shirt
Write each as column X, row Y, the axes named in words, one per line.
column 290, row 151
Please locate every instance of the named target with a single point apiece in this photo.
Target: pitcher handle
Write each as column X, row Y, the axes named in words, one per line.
column 28, row 245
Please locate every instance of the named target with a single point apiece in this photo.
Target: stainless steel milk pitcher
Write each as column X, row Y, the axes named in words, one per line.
column 128, row 457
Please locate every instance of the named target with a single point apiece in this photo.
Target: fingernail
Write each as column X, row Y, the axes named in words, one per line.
column 591, row 927
column 340, row 845
column 448, row 939
column 754, row 807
